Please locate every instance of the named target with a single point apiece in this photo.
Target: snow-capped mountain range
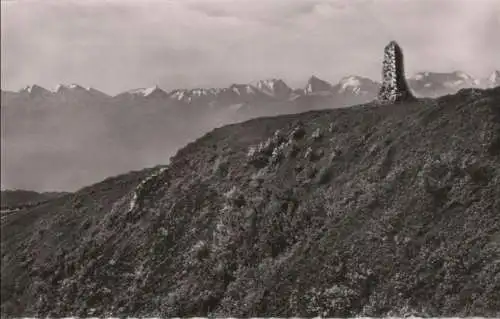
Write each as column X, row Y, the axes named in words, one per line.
column 62, row 91
column 429, row 84
column 434, row 84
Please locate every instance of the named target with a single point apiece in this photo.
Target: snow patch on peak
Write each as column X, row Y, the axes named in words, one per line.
column 349, row 82
column 29, row 88
column 494, row 77
column 150, row 90
column 214, row 91
column 419, row 76
column 145, row 91
column 250, row 89
column 315, row 84
column 199, row 92
column 72, row 86
column 58, row 88
column 452, row 84
column 274, row 87
column 268, row 84
column 179, row 95
column 242, row 89
column 34, row 88
column 462, row 75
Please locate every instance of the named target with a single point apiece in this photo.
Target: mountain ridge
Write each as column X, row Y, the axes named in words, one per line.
column 493, row 79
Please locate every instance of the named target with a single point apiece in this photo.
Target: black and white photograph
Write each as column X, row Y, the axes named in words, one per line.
column 250, row 158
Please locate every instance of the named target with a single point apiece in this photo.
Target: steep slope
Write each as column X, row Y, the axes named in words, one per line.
column 369, row 210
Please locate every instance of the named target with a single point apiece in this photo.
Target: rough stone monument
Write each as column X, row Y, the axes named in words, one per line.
column 394, row 86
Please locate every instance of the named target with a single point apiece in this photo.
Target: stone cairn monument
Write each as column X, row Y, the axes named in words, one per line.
column 394, row 87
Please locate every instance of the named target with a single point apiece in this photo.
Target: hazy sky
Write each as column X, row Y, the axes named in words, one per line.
column 116, row 45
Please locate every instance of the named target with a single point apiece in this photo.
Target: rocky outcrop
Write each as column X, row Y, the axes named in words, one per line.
column 394, row 87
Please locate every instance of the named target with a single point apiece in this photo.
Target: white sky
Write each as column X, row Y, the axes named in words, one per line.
column 116, row 45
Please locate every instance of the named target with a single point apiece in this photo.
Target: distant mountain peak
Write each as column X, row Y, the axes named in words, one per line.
column 455, row 74
column 244, row 89
column 151, row 90
column 351, row 81
column 75, row 86
column 463, row 75
column 315, row 84
column 269, row 83
column 274, row 87
column 180, row 95
column 433, row 84
column 315, row 79
column 34, row 89
column 154, row 90
column 357, row 85
column 420, row 75
column 198, row 92
column 69, row 87
column 30, row 88
column 494, row 77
